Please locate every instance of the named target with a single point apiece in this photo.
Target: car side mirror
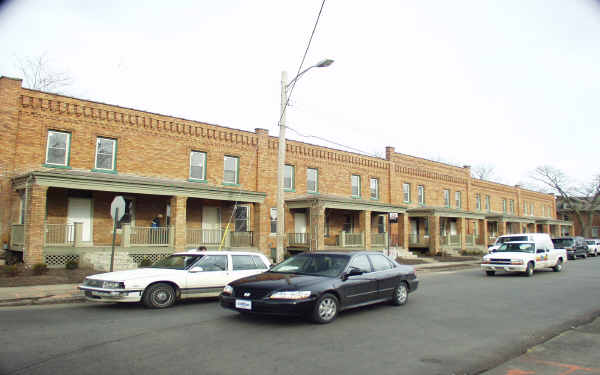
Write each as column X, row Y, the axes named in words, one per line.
column 353, row 271
column 196, row 269
column 540, row 251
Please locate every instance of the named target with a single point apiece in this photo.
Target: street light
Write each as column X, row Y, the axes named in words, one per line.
column 281, row 158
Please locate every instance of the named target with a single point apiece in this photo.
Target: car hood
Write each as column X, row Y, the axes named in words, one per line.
column 509, row 254
column 139, row 273
column 278, row 281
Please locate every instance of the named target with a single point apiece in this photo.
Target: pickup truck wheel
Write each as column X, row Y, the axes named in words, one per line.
column 559, row 265
column 529, row 270
column 159, row 296
column 490, row 273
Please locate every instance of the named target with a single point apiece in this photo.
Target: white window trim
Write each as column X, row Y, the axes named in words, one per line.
column 352, row 185
column 406, row 192
column 376, row 188
column 316, row 190
column 67, row 150
column 237, row 169
column 114, row 154
column 293, row 177
column 203, row 178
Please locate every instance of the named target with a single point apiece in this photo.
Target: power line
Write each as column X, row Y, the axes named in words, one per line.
column 332, row 142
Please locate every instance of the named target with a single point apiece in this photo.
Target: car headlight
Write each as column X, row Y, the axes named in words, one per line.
column 296, row 294
column 113, row 285
column 485, row 261
column 228, row 289
column 517, row 262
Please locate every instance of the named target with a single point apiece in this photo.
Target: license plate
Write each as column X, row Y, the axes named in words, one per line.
column 243, row 304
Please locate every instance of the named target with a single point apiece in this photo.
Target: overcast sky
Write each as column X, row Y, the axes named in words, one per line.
column 514, row 84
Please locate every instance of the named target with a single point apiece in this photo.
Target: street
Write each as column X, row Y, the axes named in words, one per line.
column 459, row 322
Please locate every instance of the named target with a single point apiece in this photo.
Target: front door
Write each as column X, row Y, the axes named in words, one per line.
column 80, row 211
column 210, row 225
column 300, row 227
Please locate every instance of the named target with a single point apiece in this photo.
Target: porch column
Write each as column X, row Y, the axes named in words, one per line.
column 317, row 228
column 483, row 234
column 365, row 226
column 262, row 227
column 35, row 213
column 501, row 228
column 546, row 228
column 178, row 218
column 434, row 235
column 403, row 230
column 462, row 222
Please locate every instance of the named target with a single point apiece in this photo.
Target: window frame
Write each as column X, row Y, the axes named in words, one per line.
column 286, row 168
column 316, row 171
column 247, row 219
column 511, row 206
column 273, row 220
column 203, row 179
column 67, row 161
column 352, row 185
column 421, row 194
column 488, row 203
column 406, row 192
column 504, row 205
column 478, row 201
column 114, row 155
column 458, row 199
column 237, row 170
column 446, row 194
column 376, row 180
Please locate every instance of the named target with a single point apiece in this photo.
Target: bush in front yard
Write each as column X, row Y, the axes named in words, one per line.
column 39, row 269
column 12, row 270
column 72, row 264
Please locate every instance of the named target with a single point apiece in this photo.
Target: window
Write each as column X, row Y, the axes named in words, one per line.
column 446, row 197
column 426, row 226
column 380, row 262
column 406, row 192
column 355, row 185
column 198, row 165
column 273, row 220
column 531, row 212
column 212, row 263
column 348, row 226
column 242, row 218
column 380, row 223
column 259, row 262
column 487, row 202
column 288, row 177
column 595, row 232
column 524, row 208
column 243, row 262
column 374, row 188
column 512, row 206
column 59, row 144
column 105, row 154
column 478, row 201
column 457, row 199
column 361, row 262
column 230, row 170
column 504, row 205
column 421, row 194
column 312, row 180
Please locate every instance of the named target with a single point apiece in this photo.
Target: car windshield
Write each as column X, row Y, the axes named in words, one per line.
column 177, row 262
column 521, row 247
column 590, row 242
column 562, row 242
column 502, row 240
column 313, row 264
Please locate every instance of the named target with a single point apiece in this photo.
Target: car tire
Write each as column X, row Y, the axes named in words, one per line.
column 159, row 296
column 400, row 294
column 558, row 266
column 326, row 309
column 490, row 273
column 529, row 270
column 585, row 255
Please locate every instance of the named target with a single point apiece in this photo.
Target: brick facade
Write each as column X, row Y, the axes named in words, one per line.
column 154, row 146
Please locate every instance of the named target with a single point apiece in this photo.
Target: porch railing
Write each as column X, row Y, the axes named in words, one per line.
column 207, row 237
column 60, row 234
column 351, row 239
column 146, row 236
column 17, row 236
column 379, row 239
column 415, row 240
column 241, row 239
column 470, row 240
column 451, row 240
column 298, row 239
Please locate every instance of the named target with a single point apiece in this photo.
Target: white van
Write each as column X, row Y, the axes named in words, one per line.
column 543, row 240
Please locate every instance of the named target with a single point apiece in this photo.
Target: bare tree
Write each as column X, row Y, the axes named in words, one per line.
column 39, row 75
column 583, row 200
column 483, row 171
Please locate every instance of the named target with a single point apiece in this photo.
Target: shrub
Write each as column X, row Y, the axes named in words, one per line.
column 145, row 262
column 39, row 269
column 72, row 264
column 12, row 270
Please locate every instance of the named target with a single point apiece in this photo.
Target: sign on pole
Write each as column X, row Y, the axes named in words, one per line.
column 117, row 210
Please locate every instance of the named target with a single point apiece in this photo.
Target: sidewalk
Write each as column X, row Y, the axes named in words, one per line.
column 66, row 293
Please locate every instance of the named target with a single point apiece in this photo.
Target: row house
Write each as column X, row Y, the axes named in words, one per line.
column 186, row 184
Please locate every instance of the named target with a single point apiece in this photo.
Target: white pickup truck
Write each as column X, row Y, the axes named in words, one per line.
column 524, row 256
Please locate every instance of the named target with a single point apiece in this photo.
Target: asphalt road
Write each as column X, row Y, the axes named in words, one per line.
column 458, row 322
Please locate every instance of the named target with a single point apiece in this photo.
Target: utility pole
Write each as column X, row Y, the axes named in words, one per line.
column 280, row 174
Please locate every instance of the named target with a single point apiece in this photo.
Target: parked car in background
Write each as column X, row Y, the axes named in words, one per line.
column 319, row 285
column 593, row 246
column 524, row 257
column 534, row 237
column 181, row 275
column 575, row 246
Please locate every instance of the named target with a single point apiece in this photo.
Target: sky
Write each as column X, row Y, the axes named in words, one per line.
column 511, row 84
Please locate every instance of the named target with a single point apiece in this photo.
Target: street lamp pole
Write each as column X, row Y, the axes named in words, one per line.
column 281, row 156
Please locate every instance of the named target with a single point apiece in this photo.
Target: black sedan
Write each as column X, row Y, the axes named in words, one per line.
column 321, row 284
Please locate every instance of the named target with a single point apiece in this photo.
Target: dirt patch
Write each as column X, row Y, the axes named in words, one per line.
column 25, row 276
column 411, row 261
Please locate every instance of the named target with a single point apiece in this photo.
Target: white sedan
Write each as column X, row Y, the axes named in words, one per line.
column 181, row 275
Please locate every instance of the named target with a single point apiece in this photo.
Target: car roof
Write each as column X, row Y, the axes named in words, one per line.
column 216, row 252
column 350, row 253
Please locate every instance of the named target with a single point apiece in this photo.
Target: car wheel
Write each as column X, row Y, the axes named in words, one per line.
column 559, row 265
column 326, row 309
column 490, row 273
column 529, row 270
column 400, row 294
column 159, row 296
column 585, row 255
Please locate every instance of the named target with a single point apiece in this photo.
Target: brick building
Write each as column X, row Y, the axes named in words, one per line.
column 590, row 218
column 63, row 160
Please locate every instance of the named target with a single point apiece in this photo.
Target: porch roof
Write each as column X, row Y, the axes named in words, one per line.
column 334, row 201
column 84, row 180
column 511, row 218
column 443, row 212
column 553, row 221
